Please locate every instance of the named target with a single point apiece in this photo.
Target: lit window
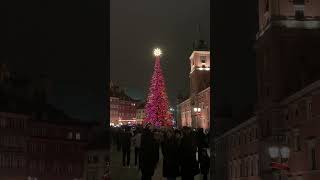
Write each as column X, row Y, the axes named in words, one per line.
column 78, row 136
column 313, row 158
column 203, row 59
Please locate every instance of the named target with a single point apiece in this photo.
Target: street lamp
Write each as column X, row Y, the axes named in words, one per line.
column 197, row 110
column 279, row 157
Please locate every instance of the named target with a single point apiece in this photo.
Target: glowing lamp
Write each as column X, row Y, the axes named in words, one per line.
column 274, row 152
column 285, row 152
column 157, row 52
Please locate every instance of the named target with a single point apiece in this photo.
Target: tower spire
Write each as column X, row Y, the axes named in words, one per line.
column 199, row 32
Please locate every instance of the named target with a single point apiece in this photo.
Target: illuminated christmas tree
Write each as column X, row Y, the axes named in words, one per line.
column 157, row 107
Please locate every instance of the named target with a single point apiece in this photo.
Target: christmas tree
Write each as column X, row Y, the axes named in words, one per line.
column 157, row 107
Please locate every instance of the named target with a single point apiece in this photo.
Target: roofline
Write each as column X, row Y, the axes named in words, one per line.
column 208, row 88
column 185, row 101
column 308, row 89
column 203, row 52
column 240, row 126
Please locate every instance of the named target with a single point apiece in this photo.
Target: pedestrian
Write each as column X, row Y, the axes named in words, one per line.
column 126, row 147
column 204, row 164
column 188, row 161
column 170, row 151
column 136, row 142
column 148, row 151
column 118, row 137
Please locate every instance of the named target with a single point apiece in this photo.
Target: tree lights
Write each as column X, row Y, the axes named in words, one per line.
column 157, row 104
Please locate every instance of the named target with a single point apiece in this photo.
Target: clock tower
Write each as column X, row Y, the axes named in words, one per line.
column 199, row 67
column 199, row 76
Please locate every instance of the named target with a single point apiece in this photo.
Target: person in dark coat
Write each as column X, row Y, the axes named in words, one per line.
column 118, row 138
column 204, row 164
column 170, row 151
column 126, row 147
column 148, row 151
column 188, row 161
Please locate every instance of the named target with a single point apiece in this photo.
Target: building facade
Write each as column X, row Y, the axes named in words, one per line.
column 195, row 111
column 122, row 107
column 140, row 114
column 97, row 165
column 288, row 97
column 37, row 141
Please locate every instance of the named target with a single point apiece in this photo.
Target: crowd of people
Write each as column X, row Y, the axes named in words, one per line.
column 185, row 151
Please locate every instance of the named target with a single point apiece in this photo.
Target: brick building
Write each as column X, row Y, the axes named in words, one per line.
column 288, row 85
column 37, row 141
column 122, row 107
column 195, row 110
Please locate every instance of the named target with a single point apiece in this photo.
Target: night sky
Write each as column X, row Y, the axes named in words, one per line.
column 65, row 41
column 139, row 26
column 234, row 26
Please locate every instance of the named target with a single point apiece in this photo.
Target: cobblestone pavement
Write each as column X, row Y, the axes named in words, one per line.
column 120, row 173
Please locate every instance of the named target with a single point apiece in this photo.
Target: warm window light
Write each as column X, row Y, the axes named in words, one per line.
column 157, row 52
column 201, row 69
column 207, row 69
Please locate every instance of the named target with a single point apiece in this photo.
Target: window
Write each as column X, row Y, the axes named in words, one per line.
column 299, row 14
column 313, row 158
column 267, row 6
column 268, row 91
column 70, row 135
column 70, row 169
column 310, row 106
column 95, row 159
column 78, row 136
column 203, row 59
column 251, row 168
column 2, row 123
column 297, row 145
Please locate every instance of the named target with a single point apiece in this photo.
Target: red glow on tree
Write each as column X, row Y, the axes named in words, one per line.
column 157, row 107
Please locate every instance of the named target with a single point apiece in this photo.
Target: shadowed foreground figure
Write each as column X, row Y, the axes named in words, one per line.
column 170, row 151
column 188, row 161
column 126, row 144
column 148, row 157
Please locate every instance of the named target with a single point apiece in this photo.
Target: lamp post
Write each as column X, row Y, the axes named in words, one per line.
column 279, row 156
column 196, row 111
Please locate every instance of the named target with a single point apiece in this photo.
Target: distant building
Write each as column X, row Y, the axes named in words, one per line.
column 195, row 110
column 288, row 105
column 97, row 162
column 37, row 141
column 140, row 113
column 122, row 107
